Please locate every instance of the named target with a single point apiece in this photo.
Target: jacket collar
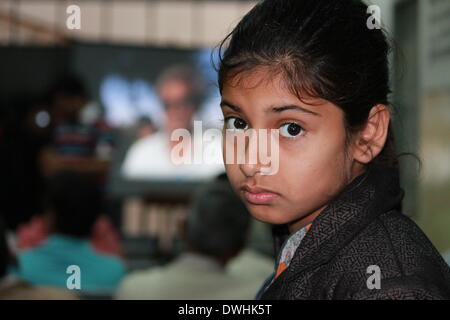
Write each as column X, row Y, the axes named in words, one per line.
column 372, row 193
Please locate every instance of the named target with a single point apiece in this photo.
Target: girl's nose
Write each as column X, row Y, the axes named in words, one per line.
column 249, row 164
column 249, row 169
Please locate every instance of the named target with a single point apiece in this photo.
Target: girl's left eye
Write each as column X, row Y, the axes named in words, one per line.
column 291, row 130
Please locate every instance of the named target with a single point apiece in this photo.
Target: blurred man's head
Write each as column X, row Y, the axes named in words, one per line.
column 74, row 202
column 179, row 89
column 218, row 222
column 68, row 97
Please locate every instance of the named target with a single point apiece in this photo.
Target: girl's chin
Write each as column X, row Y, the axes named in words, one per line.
column 268, row 215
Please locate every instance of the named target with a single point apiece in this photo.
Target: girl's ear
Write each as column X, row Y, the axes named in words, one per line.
column 370, row 139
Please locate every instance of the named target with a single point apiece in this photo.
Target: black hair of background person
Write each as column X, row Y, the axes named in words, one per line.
column 75, row 202
column 217, row 222
column 69, row 84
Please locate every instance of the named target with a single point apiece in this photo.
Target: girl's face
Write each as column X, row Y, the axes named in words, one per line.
column 314, row 161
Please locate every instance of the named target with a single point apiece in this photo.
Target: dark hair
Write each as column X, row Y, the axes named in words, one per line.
column 70, row 85
column 218, row 221
column 322, row 49
column 75, row 201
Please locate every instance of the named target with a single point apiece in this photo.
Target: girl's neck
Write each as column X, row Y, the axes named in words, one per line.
column 300, row 223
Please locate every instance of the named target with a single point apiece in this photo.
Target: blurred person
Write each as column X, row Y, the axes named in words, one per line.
column 180, row 90
column 12, row 288
column 74, row 201
column 104, row 236
column 80, row 141
column 214, row 233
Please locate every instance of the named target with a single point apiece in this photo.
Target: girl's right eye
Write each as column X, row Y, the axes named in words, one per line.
column 234, row 123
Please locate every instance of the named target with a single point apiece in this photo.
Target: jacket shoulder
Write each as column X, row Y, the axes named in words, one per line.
column 414, row 251
column 409, row 265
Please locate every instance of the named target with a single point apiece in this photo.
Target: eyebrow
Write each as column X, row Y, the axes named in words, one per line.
column 293, row 107
column 225, row 103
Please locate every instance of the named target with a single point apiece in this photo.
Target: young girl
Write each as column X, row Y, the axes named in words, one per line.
column 315, row 71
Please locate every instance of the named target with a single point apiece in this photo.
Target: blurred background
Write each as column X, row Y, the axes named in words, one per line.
column 94, row 99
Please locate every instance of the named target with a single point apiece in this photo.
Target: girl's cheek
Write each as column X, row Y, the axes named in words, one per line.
column 232, row 172
column 293, row 150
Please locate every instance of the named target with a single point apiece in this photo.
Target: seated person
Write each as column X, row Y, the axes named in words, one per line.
column 77, row 143
column 74, row 202
column 104, row 237
column 215, row 231
column 12, row 288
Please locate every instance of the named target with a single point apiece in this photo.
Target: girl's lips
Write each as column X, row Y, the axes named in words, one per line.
column 258, row 195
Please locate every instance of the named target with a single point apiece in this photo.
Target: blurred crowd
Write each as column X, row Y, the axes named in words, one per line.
column 60, row 232
column 214, row 263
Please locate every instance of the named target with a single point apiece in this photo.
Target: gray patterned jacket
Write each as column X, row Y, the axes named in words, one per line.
column 362, row 247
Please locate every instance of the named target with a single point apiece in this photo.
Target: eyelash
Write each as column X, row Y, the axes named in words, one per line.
column 225, row 120
column 303, row 131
